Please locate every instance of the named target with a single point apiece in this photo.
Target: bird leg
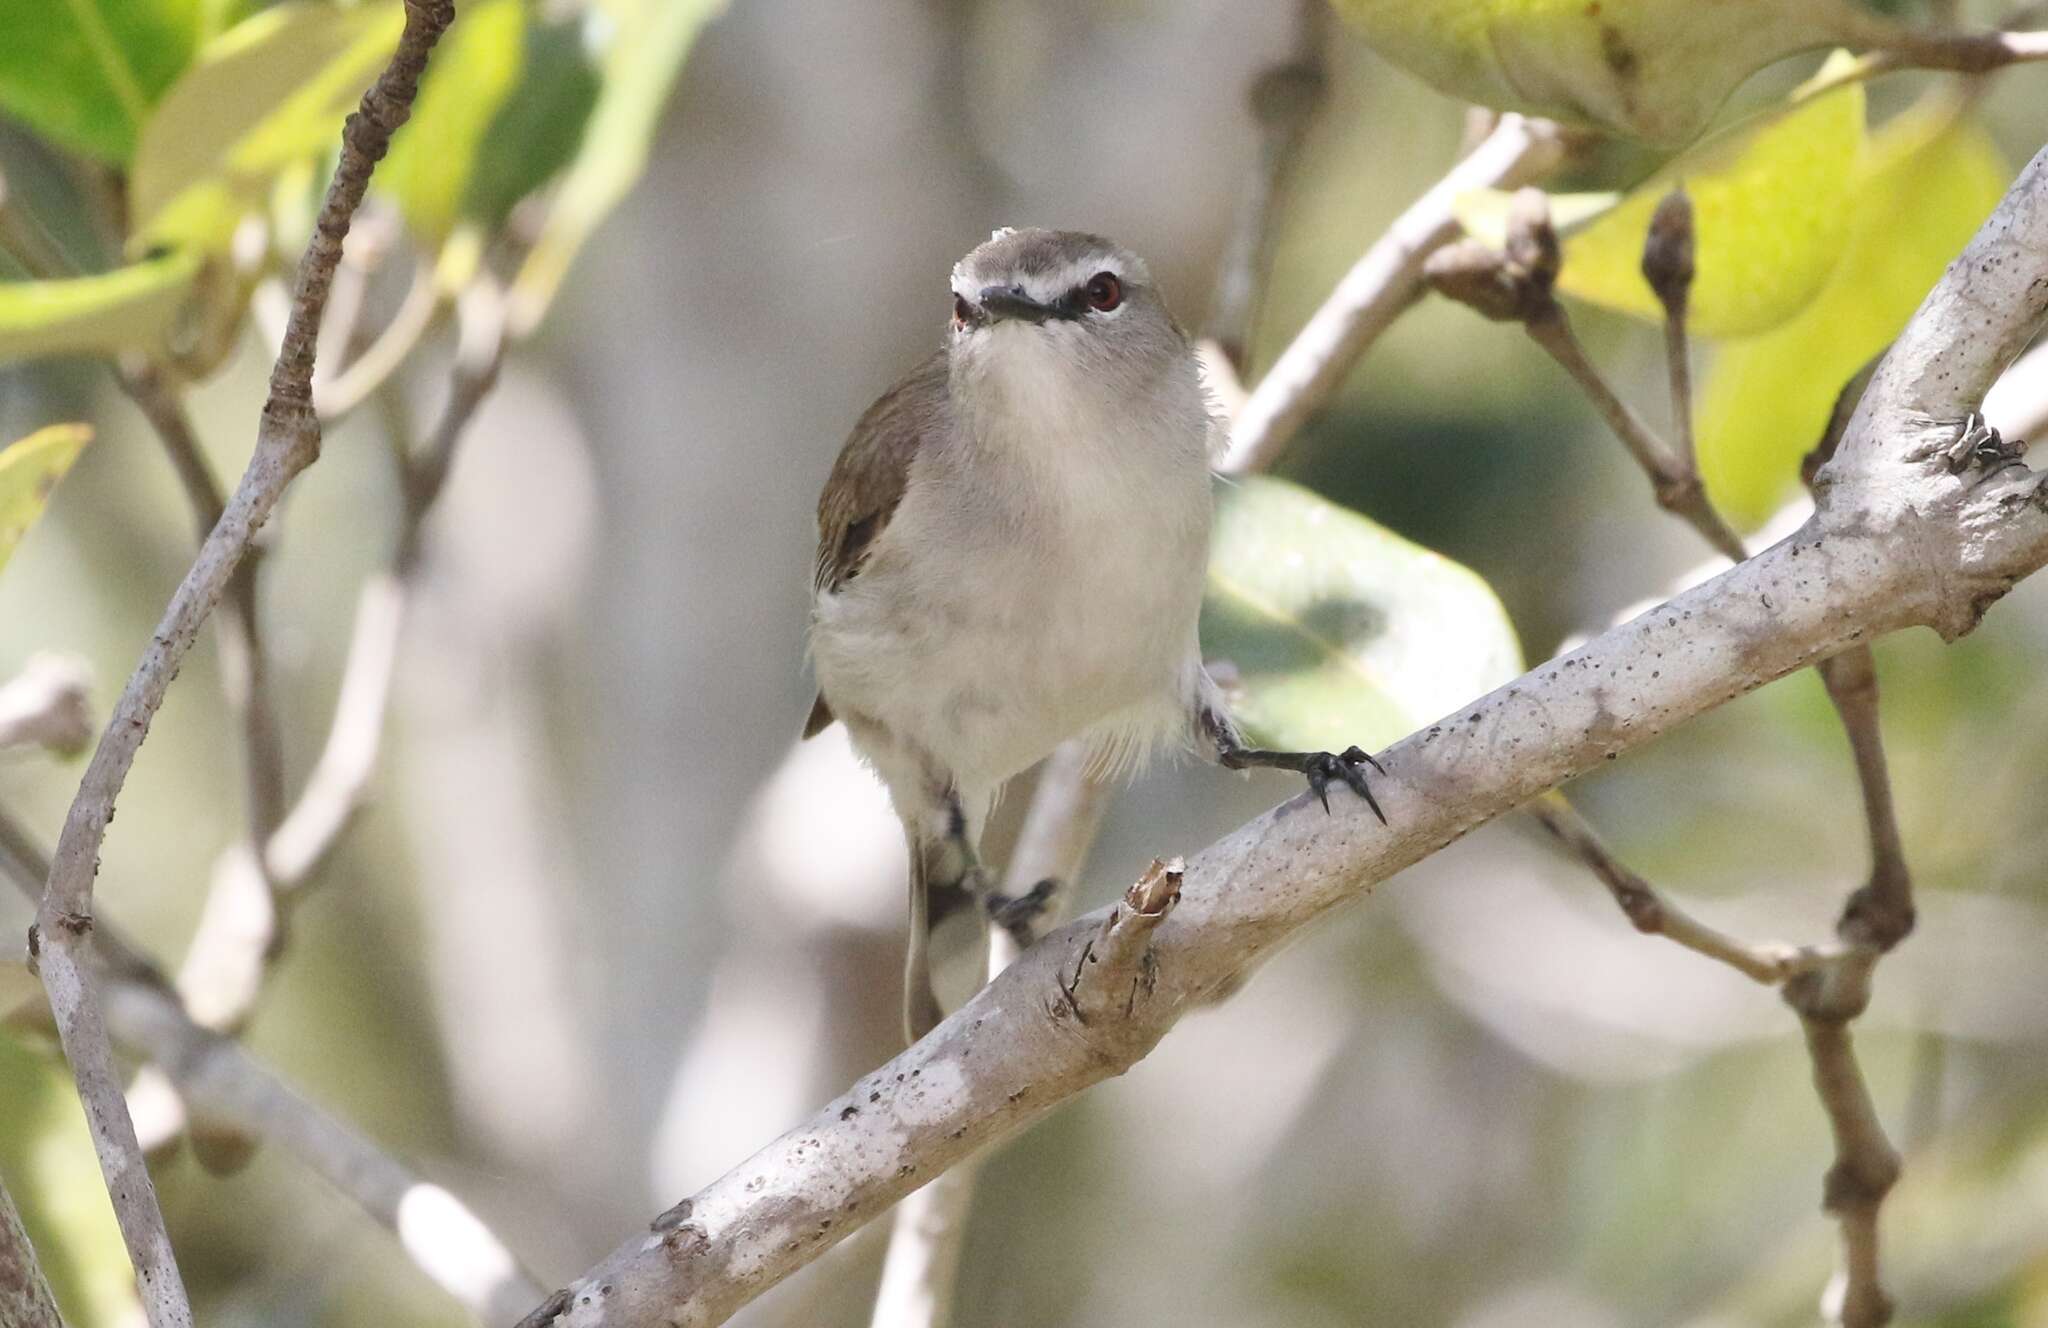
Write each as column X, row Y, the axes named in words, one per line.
column 1321, row 768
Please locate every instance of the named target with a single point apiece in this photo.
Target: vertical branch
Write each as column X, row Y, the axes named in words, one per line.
column 1880, row 914
column 25, row 1300
column 288, row 440
column 930, row 1226
column 1668, row 267
column 1864, row 1171
column 1283, row 100
column 1834, row 986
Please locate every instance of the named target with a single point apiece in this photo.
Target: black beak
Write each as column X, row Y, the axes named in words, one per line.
column 1001, row 302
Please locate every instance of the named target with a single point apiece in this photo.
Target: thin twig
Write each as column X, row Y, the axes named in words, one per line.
column 394, row 344
column 25, row 1299
column 1866, row 1167
column 1677, row 487
column 1881, row 913
column 1827, row 986
column 1668, row 255
column 244, row 665
column 1283, row 100
column 1832, row 985
column 288, row 440
column 229, row 1092
column 1383, row 283
column 335, row 791
column 1654, row 915
column 930, row 1226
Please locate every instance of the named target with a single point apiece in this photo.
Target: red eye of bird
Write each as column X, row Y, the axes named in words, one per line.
column 961, row 312
column 1104, row 292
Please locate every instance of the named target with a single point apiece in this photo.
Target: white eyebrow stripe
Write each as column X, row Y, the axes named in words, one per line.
column 1052, row 286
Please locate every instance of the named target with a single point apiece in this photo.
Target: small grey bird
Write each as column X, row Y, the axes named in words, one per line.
column 1011, row 553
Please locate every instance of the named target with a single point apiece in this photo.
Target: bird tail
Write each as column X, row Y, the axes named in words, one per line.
column 948, row 928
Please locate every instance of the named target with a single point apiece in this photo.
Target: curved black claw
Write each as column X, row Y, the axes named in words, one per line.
column 1323, row 767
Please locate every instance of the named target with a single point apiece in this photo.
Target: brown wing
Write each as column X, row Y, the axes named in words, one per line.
column 867, row 483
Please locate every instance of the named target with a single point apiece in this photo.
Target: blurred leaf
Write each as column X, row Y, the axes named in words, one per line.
column 46, row 1155
column 537, row 132
column 1927, row 183
column 435, row 153
column 129, row 306
column 29, row 471
column 1770, row 214
column 641, row 62
column 1326, row 630
column 84, row 73
column 269, row 93
column 1656, row 70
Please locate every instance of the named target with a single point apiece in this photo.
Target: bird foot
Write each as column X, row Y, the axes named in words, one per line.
column 1347, row 767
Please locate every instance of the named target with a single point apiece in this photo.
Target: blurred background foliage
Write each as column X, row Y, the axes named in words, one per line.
column 604, row 931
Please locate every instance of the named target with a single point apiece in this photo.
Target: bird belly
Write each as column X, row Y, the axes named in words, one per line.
column 986, row 668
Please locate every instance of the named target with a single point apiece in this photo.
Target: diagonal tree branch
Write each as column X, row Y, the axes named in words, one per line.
column 1953, row 543
column 1949, row 544
column 287, row 441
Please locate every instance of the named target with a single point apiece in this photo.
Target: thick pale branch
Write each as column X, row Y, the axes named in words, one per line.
column 1029, row 1041
column 287, row 441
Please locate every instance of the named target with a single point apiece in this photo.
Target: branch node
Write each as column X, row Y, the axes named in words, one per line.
column 1668, row 252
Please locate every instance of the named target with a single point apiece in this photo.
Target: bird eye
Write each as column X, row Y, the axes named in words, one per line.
column 1104, row 292
column 961, row 313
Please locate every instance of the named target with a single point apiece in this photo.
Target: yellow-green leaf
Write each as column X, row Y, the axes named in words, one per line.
column 1770, row 217
column 1325, row 629
column 130, row 306
column 1928, row 182
column 84, row 73
column 646, row 51
column 270, row 92
column 434, row 154
column 1651, row 69
column 46, row 1155
column 29, row 470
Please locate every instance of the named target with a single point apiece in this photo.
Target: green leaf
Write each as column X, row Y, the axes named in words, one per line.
column 29, row 470
column 1928, row 182
column 537, row 132
column 131, row 306
column 46, row 1155
column 84, row 73
column 1325, row 629
column 435, row 152
column 1770, row 217
column 641, row 62
column 1656, row 70
column 268, row 94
